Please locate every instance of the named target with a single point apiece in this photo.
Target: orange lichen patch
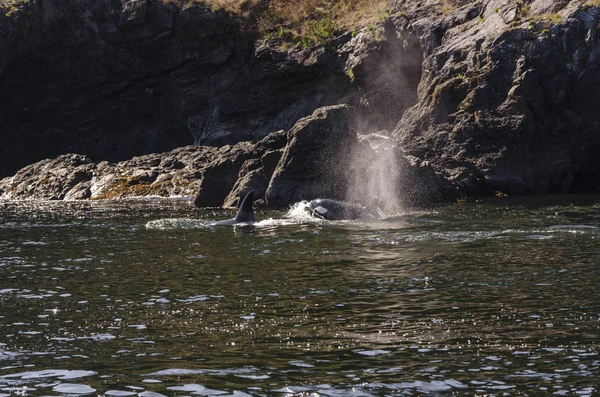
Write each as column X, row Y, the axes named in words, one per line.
column 124, row 186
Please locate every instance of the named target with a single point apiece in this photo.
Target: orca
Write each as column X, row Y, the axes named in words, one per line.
column 338, row 210
column 244, row 215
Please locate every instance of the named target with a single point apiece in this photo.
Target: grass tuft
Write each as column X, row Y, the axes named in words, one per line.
column 447, row 7
column 301, row 22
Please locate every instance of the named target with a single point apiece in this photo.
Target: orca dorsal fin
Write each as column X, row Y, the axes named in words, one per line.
column 245, row 212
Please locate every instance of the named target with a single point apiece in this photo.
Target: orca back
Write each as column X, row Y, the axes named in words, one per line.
column 336, row 210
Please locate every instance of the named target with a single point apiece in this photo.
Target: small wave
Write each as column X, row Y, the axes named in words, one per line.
column 50, row 373
column 278, row 222
column 552, row 231
column 573, row 227
column 196, row 389
column 6, row 355
column 375, row 389
column 73, row 388
column 372, row 353
column 177, row 223
column 34, row 243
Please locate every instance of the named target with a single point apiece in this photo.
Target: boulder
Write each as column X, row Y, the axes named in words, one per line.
column 219, row 176
column 76, row 177
column 255, row 174
column 316, row 160
column 66, row 177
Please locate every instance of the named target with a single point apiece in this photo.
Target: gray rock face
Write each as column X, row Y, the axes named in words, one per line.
column 56, row 179
column 116, row 79
column 507, row 97
column 221, row 174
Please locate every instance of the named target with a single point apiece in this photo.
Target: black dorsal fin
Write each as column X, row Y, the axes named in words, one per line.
column 246, row 213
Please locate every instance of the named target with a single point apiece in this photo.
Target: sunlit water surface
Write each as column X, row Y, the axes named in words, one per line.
column 499, row 297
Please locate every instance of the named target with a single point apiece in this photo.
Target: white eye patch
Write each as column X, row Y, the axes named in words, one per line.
column 321, row 210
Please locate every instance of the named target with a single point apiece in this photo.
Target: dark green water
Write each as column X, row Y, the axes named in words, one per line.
column 500, row 297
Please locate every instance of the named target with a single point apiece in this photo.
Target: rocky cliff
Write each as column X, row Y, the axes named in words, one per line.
column 477, row 97
column 114, row 79
column 509, row 95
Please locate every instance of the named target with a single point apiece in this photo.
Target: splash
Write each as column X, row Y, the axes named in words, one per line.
column 375, row 175
column 300, row 211
column 297, row 214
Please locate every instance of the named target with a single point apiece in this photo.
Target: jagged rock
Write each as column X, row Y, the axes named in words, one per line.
column 220, row 175
column 385, row 64
column 316, row 158
column 255, row 174
column 75, row 177
column 251, row 177
column 51, row 179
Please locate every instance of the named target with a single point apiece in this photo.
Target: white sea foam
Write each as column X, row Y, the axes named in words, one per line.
column 119, row 393
column 197, row 389
column 177, row 223
column 73, row 388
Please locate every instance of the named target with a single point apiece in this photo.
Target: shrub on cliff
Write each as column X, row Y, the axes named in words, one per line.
column 302, row 22
column 9, row 7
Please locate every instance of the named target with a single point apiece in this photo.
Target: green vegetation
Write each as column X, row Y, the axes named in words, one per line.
column 544, row 22
column 381, row 17
column 351, row 74
column 300, row 23
column 555, row 19
column 462, row 76
column 524, row 9
column 317, row 31
column 9, row 7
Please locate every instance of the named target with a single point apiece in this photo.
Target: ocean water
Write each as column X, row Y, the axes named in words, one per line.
column 498, row 297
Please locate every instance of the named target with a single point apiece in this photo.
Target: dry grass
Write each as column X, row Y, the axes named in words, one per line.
column 302, row 22
column 447, row 7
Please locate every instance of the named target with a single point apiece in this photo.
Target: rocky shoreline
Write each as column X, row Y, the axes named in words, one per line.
column 426, row 105
column 282, row 168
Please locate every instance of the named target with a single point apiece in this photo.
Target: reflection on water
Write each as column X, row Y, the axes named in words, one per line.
column 146, row 298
